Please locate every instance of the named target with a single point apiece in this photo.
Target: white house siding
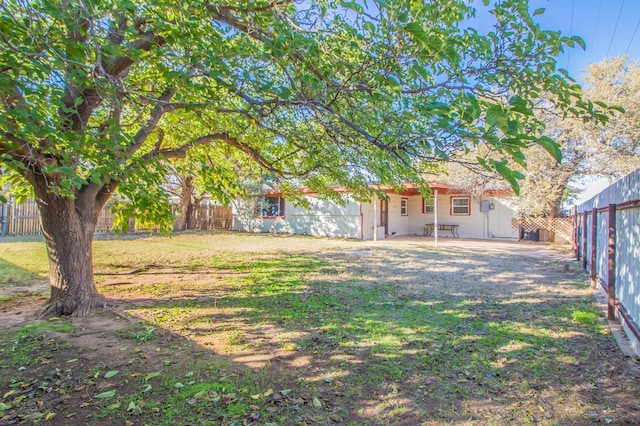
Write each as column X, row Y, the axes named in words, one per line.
column 356, row 220
column 323, row 218
column 368, row 211
column 398, row 224
column 496, row 223
column 500, row 219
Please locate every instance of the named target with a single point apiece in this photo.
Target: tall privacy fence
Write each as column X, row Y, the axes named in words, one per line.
column 607, row 239
column 22, row 219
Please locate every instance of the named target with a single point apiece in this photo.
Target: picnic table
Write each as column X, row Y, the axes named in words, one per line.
column 429, row 227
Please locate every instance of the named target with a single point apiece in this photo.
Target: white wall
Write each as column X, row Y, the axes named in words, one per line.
column 356, row 220
column 496, row 223
column 322, row 218
column 368, row 211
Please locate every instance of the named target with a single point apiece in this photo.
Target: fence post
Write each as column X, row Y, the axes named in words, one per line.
column 611, row 264
column 4, row 220
column 594, row 245
column 584, row 240
column 574, row 224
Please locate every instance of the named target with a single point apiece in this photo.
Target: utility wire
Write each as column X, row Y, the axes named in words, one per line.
column 595, row 30
column 615, row 28
column 573, row 6
column 632, row 36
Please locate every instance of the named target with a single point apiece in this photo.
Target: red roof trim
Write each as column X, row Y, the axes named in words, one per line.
column 409, row 190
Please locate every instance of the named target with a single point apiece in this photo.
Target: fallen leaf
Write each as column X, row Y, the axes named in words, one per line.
column 151, row 375
column 285, row 392
column 107, row 394
column 49, row 416
column 110, row 374
column 268, row 393
column 316, row 402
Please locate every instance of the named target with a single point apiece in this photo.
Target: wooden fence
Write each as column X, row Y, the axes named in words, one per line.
column 22, row 219
column 607, row 240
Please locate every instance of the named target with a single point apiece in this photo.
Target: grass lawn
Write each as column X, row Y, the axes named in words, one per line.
column 257, row 329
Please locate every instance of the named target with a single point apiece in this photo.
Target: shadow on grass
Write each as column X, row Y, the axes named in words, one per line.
column 403, row 337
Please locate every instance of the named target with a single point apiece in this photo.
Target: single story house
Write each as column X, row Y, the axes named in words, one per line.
column 457, row 214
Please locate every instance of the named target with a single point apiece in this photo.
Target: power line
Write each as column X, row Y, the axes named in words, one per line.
column 573, row 6
column 595, row 30
column 632, row 36
column 615, row 28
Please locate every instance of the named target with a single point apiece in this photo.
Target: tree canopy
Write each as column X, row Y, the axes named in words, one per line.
column 590, row 149
column 97, row 95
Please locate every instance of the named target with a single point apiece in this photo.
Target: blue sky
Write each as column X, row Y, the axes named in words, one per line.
column 607, row 27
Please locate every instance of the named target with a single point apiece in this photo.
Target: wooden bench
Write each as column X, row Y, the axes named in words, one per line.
column 429, row 227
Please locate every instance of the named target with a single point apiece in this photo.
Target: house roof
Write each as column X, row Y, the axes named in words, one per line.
column 409, row 190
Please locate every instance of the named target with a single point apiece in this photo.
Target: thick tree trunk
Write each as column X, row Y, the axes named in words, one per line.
column 192, row 219
column 186, row 209
column 68, row 227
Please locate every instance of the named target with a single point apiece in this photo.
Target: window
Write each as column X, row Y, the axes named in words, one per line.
column 429, row 205
column 460, row 206
column 270, row 207
column 404, row 207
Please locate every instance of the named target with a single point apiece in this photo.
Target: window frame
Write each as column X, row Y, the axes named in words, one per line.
column 432, row 205
column 404, row 206
column 453, row 207
column 282, row 207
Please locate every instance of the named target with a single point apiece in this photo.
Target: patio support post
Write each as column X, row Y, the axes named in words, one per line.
column 611, row 264
column 435, row 217
column 584, row 240
column 594, row 245
column 375, row 218
column 575, row 233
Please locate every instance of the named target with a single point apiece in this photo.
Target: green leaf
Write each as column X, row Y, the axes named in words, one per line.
column 107, row 394
column 316, row 402
column 418, row 33
column 353, row 6
column 151, row 376
column 538, row 11
column 508, row 174
column 492, row 114
column 580, row 41
column 393, row 84
column 110, row 374
column 551, row 146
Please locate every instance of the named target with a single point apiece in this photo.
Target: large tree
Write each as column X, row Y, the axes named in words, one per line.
column 96, row 96
column 610, row 150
